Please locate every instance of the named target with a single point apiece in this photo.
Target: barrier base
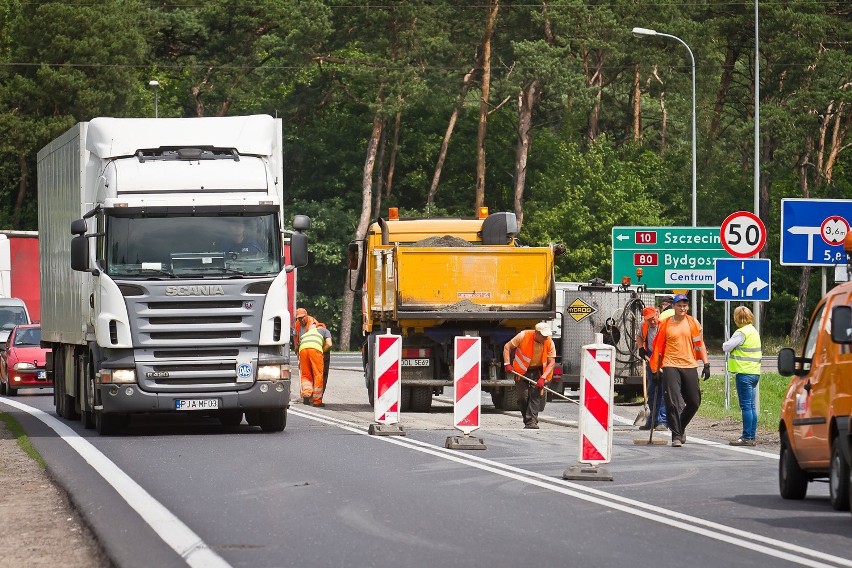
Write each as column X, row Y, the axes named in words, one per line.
column 466, row 442
column 386, row 430
column 587, row 472
column 646, row 442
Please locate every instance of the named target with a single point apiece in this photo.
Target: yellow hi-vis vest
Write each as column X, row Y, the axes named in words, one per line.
column 745, row 358
column 311, row 339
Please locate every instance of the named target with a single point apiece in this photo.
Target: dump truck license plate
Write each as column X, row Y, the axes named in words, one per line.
column 197, row 404
column 415, row 362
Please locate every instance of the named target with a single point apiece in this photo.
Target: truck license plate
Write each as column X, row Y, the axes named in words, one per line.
column 41, row 375
column 197, row 404
column 415, row 362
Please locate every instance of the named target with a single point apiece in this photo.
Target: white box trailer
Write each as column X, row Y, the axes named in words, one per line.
column 163, row 285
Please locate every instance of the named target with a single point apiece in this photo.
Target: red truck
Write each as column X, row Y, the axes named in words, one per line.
column 19, row 269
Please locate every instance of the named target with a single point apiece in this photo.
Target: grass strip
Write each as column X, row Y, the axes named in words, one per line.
column 772, row 387
column 14, row 428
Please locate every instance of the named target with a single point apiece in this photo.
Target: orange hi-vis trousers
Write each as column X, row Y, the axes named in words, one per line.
column 311, row 366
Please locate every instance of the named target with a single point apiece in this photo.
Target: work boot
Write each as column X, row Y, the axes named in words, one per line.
column 531, row 427
column 306, row 400
column 645, row 427
column 319, row 404
column 676, row 443
column 742, row 442
column 661, row 427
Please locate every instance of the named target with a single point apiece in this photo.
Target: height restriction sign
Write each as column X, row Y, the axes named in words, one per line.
column 743, row 234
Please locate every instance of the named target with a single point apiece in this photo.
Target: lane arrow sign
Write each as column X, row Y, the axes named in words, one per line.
column 726, row 284
column 622, row 237
column 756, row 286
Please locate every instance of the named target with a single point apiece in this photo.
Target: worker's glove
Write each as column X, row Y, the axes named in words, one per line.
column 643, row 353
column 507, row 368
column 540, row 383
column 705, row 374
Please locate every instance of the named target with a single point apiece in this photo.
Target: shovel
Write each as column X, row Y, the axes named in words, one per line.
column 560, row 395
column 642, row 417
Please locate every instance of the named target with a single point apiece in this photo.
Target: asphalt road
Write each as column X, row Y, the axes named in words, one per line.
column 326, row 493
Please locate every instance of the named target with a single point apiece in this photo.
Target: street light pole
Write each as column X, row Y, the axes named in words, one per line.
column 641, row 32
column 154, row 84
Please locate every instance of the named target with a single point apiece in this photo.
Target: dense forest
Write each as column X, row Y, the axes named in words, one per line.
column 553, row 109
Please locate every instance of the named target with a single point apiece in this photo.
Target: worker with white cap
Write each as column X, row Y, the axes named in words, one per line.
column 535, row 357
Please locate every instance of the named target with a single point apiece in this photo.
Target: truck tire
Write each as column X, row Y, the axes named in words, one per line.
column 509, row 399
column 792, row 479
column 405, row 399
column 273, row 420
column 87, row 413
column 11, row 391
column 421, row 399
column 838, row 476
column 230, row 418
column 110, row 424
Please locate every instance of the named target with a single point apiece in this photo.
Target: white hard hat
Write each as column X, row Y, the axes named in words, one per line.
column 543, row 328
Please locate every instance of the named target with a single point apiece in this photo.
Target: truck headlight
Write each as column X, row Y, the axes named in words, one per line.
column 273, row 373
column 20, row 366
column 118, row 375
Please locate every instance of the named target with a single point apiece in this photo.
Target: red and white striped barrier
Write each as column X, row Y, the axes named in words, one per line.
column 387, row 384
column 468, row 383
column 467, row 397
column 597, row 369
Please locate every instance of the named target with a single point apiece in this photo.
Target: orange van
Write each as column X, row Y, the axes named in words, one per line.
column 814, row 424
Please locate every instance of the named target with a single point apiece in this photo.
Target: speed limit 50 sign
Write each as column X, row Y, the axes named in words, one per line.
column 743, row 234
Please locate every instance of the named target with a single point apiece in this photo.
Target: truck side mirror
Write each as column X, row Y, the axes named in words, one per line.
column 786, row 362
column 298, row 250
column 301, row 223
column 79, row 227
column 80, row 253
column 353, row 255
column 841, row 324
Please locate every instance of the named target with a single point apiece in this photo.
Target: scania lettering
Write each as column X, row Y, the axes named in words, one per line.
column 164, row 286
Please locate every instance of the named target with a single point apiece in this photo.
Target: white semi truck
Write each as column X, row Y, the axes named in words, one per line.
column 163, row 286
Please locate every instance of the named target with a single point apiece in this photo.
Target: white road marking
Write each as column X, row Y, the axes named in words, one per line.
column 736, row 537
column 177, row 535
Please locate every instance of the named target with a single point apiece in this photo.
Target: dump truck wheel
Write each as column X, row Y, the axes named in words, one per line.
column 509, row 399
column 838, row 476
column 421, row 399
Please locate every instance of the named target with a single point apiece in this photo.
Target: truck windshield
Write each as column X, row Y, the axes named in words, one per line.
column 192, row 246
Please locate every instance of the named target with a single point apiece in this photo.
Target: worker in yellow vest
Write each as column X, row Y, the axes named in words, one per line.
column 744, row 355
column 311, row 365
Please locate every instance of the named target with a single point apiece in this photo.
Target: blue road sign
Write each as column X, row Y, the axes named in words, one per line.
column 812, row 231
column 742, row 279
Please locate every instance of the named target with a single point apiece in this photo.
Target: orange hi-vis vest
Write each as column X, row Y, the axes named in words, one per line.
column 524, row 353
column 660, row 341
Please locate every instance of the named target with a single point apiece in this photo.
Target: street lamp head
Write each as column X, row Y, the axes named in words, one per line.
column 639, row 32
column 154, row 83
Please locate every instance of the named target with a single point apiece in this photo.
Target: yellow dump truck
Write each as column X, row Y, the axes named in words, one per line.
column 430, row 280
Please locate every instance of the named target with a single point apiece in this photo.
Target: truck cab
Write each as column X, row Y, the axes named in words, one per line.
column 815, row 415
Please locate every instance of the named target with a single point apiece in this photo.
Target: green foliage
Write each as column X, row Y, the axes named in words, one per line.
column 328, row 69
column 772, row 386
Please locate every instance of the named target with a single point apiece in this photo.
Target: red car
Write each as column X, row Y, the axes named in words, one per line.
column 22, row 360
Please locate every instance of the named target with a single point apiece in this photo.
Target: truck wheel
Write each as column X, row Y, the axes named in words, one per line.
column 109, row 424
column 370, row 392
column 230, row 418
column 838, row 476
column 557, row 386
column 253, row 417
column 510, row 399
column 273, row 420
column 421, row 399
column 497, row 398
column 405, row 399
column 87, row 413
column 792, row 479
column 11, row 391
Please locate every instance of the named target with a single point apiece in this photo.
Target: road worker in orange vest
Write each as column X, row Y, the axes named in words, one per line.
column 535, row 357
column 311, row 343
